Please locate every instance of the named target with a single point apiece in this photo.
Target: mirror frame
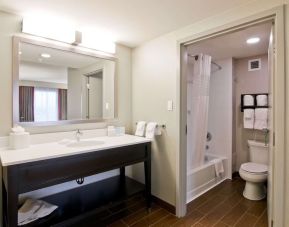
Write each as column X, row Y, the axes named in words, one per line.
column 63, row 47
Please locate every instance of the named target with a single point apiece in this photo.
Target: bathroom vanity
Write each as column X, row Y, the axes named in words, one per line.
column 49, row 164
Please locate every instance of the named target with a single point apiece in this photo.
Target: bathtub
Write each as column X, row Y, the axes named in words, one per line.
column 203, row 178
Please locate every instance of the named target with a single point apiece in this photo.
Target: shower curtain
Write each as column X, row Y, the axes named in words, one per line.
column 198, row 83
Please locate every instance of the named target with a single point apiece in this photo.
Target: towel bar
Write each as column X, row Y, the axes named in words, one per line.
column 163, row 126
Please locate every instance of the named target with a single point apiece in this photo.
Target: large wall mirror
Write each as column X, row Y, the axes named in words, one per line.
column 60, row 85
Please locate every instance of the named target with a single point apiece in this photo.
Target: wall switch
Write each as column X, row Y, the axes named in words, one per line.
column 170, row 105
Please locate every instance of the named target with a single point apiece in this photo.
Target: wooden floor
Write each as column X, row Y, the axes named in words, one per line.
column 223, row 206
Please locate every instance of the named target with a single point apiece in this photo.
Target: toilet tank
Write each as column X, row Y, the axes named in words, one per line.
column 259, row 152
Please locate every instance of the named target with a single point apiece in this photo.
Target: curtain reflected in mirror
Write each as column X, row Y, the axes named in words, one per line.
column 41, row 104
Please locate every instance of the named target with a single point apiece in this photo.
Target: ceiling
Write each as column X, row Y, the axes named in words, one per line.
column 33, row 67
column 234, row 45
column 32, row 53
column 30, row 71
column 129, row 22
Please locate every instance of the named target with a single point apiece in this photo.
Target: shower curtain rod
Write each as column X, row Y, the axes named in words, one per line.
column 214, row 63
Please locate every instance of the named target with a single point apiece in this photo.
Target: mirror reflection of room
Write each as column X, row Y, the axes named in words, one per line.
column 55, row 85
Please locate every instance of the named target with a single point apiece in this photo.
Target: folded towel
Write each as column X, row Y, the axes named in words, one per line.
column 140, row 128
column 32, row 210
column 261, row 118
column 248, row 100
column 219, row 167
column 248, row 120
column 150, row 130
column 262, row 100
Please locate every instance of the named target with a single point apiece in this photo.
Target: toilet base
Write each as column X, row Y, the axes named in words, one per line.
column 254, row 191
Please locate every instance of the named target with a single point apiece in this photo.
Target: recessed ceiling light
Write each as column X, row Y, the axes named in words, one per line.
column 44, row 55
column 253, row 40
column 20, row 52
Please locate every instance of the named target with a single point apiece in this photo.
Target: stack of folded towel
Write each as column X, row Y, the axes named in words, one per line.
column 262, row 100
column 261, row 118
column 255, row 118
column 32, row 210
column 248, row 100
column 249, row 115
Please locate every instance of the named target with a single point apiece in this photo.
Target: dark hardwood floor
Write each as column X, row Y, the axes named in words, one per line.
column 223, row 206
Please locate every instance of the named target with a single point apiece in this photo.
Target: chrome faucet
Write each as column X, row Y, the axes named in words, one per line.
column 78, row 134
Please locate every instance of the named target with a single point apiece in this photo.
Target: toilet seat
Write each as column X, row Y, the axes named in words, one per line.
column 254, row 168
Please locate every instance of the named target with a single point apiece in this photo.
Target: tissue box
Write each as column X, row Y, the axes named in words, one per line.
column 19, row 140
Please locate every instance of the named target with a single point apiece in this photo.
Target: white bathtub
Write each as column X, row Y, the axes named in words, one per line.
column 203, row 178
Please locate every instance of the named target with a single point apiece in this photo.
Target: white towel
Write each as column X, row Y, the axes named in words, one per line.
column 261, row 118
column 248, row 120
column 262, row 100
column 219, row 167
column 150, row 130
column 248, row 100
column 32, row 210
column 140, row 128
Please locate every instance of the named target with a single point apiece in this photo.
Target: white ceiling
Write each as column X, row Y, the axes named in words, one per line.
column 54, row 69
column 129, row 22
column 32, row 53
column 234, row 45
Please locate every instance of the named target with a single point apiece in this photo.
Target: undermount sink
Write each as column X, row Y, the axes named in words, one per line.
column 85, row 143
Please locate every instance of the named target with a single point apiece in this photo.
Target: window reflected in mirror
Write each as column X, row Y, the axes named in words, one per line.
column 56, row 85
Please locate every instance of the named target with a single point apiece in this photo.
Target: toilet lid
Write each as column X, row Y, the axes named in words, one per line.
column 254, row 167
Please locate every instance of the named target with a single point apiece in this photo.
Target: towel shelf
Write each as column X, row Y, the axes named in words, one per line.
column 255, row 102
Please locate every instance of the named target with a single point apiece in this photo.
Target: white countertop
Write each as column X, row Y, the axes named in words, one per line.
column 60, row 149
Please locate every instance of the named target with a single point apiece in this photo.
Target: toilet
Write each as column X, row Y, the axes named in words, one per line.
column 255, row 172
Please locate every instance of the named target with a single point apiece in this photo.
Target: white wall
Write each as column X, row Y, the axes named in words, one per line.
column 155, row 73
column 9, row 24
column 77, row 86
column 74, row 95
column 95, row 101
column 221, row 111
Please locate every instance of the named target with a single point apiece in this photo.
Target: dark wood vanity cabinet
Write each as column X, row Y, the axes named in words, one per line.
column 30, row 176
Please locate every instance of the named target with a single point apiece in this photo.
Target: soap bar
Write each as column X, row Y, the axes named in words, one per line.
column 19, row 141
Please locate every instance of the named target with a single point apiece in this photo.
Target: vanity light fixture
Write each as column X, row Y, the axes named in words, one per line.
column 253, row 40
column 60, row 30
column 48, row 27
column 45, row 55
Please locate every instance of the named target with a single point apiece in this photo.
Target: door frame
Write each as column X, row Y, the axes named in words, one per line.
column 277, row 15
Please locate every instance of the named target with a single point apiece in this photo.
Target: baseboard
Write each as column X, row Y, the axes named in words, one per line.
column 164, row 204
column 235, row 174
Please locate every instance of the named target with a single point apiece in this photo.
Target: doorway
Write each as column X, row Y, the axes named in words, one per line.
column 276, row 63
